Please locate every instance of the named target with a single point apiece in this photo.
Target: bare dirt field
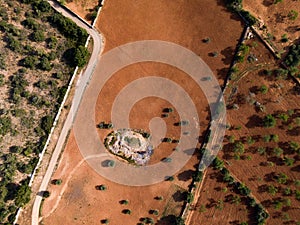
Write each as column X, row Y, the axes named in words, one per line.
column 81, row 203
column 83, row 8
column 185, row 23
column 181, row 22
column 277, row 18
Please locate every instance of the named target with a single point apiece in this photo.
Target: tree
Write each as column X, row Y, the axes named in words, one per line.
column 289, row 161
column 81, row 55
column 238, row 147
column 274, row 137
column 46, row 194
column 57, row 181
column 277, row 1
column 37, row 36
column 272, row 190
column 101, row 187
column 179, row 221
column 269, row 121
column 45, row 64
column 218, row 163
column 47, row 123
column 287, row 191
column 295, row 146
column 277, row 204
column 261, row 150
column 23, row 195
column 105, row 221
column 124, row 202
column 277, row 151
column 264, row 89
column 267, row 138
column 5, row 125
column 126, row 211
column 281, row 178
column 293, row 15
column 30, row 61
column 219, row 205
column 243, row 189
column 198, row 176
column 283, row 116
column 189, row 197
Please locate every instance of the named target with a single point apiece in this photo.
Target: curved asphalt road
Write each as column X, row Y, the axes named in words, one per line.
column 80, row 87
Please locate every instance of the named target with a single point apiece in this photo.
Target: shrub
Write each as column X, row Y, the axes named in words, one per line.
column 126, row 211
column 23, row 195
column 47, row 123
column 269, row 121
column 218, row 164
column 293, row 15
column 189, row 197
column 264, row 89
column 5, row 125
column 37, row 36
column 101, row 187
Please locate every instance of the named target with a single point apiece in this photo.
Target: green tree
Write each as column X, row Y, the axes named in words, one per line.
column 274, row 137
column 289, row 161
column 277, row 151
column 264, row 89
column 293, row 15
column 5, row 125
column 23, row 195
column 261, row 150
column 47, row 123
column 218, row 163
column 238, row 147
column 38, row 36
column 179, row 221
column 281, row 178
column 269, row 121
column 267, row 138
column 189, row 197
column 283, row 116
column 272, row 190
column 81, row 55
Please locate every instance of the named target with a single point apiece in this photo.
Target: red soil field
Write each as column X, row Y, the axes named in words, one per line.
column 181, row 22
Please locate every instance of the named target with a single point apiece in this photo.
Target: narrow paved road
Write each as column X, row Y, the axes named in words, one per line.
column 80, row 87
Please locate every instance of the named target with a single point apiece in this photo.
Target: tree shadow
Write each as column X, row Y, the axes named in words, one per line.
column 185, row 175
column 179, row 196
column 228, row 53
column 167, row 220
column 268, row 3
column 254, row 121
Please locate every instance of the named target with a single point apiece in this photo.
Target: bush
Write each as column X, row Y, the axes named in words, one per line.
column 23, row 195
column 218, row 163
column 269, row 121
column 37, row 36
column 47, row 123
column 68, row 28
column 264, row 89
column 5, row 125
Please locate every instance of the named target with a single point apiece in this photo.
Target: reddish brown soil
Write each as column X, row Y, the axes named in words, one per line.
column 186, row 23
column 275, row 17
column 81, row 203
column 206, row 210
column 254, row 172
column 83, row 8
column 181, row 22
column 150, row 107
